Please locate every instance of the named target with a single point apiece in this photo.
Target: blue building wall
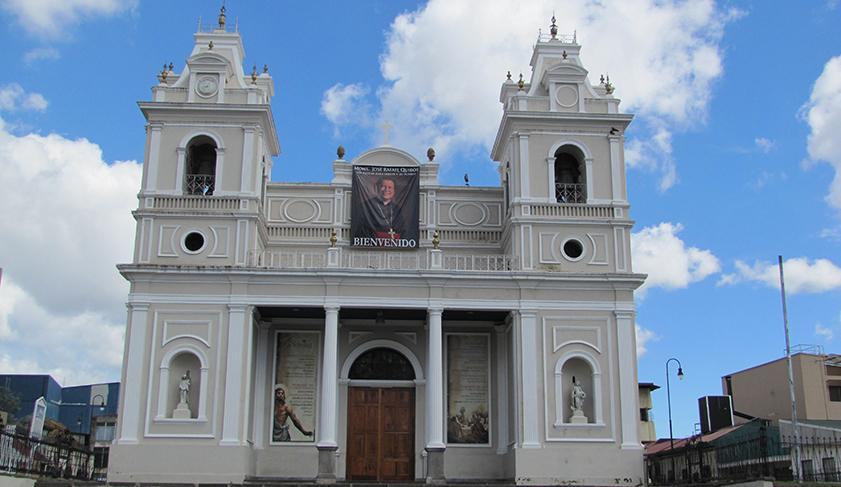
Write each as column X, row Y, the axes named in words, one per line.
column 75, row 407
column 28, row 389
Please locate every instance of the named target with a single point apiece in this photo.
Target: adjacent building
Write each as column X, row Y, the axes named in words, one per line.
column 763, row 391
column 380, row 326
column 648, row 433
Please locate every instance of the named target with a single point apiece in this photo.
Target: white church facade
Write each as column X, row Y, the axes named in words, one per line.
column 382, row 326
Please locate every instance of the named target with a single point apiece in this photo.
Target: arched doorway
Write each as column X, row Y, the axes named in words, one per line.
column 381, row 417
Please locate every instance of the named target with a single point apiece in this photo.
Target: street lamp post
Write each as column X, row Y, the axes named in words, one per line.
column 669, row 399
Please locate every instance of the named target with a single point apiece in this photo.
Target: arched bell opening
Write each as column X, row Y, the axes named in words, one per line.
column 200, row 177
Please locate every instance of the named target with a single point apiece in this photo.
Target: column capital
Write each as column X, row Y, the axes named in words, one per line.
column 237, row 308
column 332, row 308
column 435, row 310
column 525, row 313
column 624, row 314
column 138, row 306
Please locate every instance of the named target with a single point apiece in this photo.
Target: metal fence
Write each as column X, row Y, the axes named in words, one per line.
column 19, row 454
column 820, row 456
column 757, row 455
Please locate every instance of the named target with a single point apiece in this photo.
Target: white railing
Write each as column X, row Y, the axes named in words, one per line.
column 561, row 210
column 195, row 203
column 356, row 259
column 480, row 263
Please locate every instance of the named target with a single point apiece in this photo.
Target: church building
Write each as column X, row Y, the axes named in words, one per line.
column 379, row 326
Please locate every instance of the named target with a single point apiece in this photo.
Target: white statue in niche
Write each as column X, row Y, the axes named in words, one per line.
column 577, row 396
column 182, row 410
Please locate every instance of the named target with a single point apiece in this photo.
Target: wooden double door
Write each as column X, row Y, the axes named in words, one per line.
column 381, row 433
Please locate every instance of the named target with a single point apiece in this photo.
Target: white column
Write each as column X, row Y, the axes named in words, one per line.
column 247, row 158
column 135, row 355
column 628, row 388
column 180, row 169
column 261, row 383
column 588, row 174
column 234, row 376
column 435, row 382
column 328, row 409
column 615, row 173
column 550, row 179
column 502, row 389
column 524, row 167
column 153, row 158
column 529, row 355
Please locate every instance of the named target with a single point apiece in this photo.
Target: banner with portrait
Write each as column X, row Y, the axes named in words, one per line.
column 468, row 388
column 295, row 386
column 385, row 207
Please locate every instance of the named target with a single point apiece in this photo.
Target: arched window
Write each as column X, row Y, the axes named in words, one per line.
column 201, row 166
column 570, row 186
column 382, row 364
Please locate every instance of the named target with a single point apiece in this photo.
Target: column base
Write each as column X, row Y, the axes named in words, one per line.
column 435, row 466
column 326, row 465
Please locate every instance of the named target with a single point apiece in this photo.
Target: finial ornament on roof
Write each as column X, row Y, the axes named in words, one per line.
column 430, row 154
column 265, row 68
column 553, row 29
column 601, row 80
column 210, row 45
column 436, row 240
column 521, row 82
column 164, row 73
column 340, row 151
column 564, row 54
column 222, row 17
column 575, row 37
column 608, row 88
column 254, row 75
column 508, row 76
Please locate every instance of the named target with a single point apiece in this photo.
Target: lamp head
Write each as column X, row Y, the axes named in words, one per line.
column 680, row 373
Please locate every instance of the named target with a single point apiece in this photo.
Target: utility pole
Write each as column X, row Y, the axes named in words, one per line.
column 795, row 425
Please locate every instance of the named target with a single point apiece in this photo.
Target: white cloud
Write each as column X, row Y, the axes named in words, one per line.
column 765, row 145
column 823, row 114
column 13, row 97
column 824, row 332
column 441, row 74
column 644, row 336
column 343, row 105
column 801, row 275
column 51, row 18
column 41, row 54
column 66, row 222
column 669, row 263
column 654, row 154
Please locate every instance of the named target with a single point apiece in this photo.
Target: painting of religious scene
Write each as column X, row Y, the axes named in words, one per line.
column 468, row 394
column 295, row 390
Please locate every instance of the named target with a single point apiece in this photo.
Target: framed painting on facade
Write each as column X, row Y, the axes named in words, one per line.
column 468, row 389
column 295, row 387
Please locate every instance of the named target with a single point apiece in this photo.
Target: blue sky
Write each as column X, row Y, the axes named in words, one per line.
column 732, row 154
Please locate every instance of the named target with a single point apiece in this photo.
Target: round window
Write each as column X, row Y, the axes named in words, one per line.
column 573, row 249
column 194, row 242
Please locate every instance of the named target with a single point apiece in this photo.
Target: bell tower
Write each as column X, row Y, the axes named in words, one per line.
column 560, row 149
column 209, row 146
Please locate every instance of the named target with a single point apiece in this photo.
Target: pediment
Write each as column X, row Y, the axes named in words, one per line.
column 386, row 156
column 210, row 60
column 565, row 69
